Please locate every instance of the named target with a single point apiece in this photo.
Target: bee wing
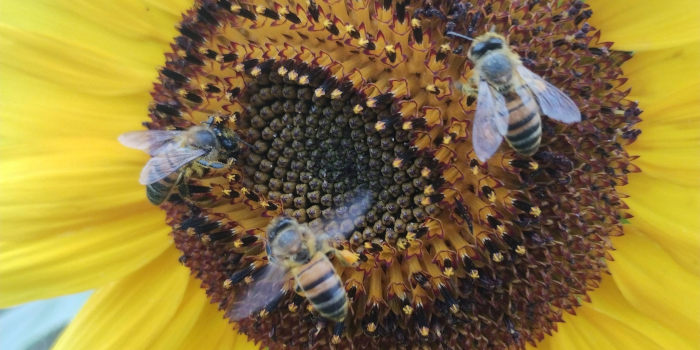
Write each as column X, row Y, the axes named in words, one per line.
column 490, row 121
column 267, row 289
column 167, row 161
column 337, row 228
column 149, row 141
column 553, row 102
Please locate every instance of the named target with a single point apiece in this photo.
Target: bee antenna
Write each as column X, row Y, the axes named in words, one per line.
column 458, row 35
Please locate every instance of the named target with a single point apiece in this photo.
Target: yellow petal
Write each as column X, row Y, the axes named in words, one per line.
column 668, row 214
column 34, row 109
column 197, row 324
column 71, row 185
column 645, row 25
column 656, row 286
column 72, row 261
column 157, row 307
column 130, row 29
column 129, row 314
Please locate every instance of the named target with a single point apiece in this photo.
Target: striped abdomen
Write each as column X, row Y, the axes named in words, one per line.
column 524, row 123
column 322, row 286
column 159, row 191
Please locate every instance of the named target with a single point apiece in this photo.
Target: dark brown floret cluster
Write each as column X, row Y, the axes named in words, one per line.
column 332, row 97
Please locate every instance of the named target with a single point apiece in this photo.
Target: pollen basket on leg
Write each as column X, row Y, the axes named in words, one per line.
column 334, row 98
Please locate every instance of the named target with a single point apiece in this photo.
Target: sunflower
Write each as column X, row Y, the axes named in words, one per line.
column 452, row 252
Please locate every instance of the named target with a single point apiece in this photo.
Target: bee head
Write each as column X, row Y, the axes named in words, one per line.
column 485, row 43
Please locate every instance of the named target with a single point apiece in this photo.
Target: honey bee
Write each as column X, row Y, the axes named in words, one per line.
column 172, row 151
column 299, row 250
column 510, row 99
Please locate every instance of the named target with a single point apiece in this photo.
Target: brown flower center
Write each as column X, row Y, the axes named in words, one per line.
column 335, row 97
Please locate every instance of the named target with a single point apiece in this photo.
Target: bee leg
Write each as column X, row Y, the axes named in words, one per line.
column 346, row 257
column 208, row 164
column 338, row 330
column 196, row 169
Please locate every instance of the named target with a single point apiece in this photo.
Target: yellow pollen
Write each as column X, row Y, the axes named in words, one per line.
column 260, row 9
column 449, row 271
column 202, row 50
column 520, row 250
column 319, row 92
column 255, row 72
column 501, row 229
column 497, row 257
column 292, row 307
column 535, row 211
column 182, row 92
column 424, row 331
column 363, row 42
column 428, row 190
column 406, row 125
column 228, row 284
column 309, row 308
column 425, row 201
column 238, row 68
column 218, row 119
column 292, row 75
column 248, row 280
column 474, row 274
column 415, row 23
column 534, row 165
column 335, row 94
column 402, row 243
column 475, row 170
column 235, row 8
column 206, row 239
column 454, row 308
column 327, row 23
column 263, row 313
column 226, row 192
column 491, row 197
column 390, row 49
column 282, row 71
column 357, row 109
column 219, row 58
column 397, row 163
column 283, row 11
column 447, row 139
column 350, row 257
column 425, row 172
column 371, row 327
column 304, row 80
column 445, row 47
column 190, row 231
column 411, row 236
column 335, row 339
column 407, row 309
column 433, row 89
column 238, row 243
column 349, row 28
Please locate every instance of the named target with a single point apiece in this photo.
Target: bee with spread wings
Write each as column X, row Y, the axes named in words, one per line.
column 173, row 150
column 510, row 99
column 300, row 250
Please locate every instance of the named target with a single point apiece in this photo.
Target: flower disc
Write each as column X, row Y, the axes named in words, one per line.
column 336, row 97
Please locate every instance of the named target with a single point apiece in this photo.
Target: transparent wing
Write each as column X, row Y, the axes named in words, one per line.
column 490, row 121
column 267, row 289
column 167, row 161
column 149, row 141
column 337, row 228
column 553, row 102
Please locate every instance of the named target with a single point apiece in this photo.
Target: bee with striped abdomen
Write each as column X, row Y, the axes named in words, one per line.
column 510, row 99
column 299, row 250
column 173, row 154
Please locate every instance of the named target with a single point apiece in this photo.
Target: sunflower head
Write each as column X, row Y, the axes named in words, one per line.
column 332, row 98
